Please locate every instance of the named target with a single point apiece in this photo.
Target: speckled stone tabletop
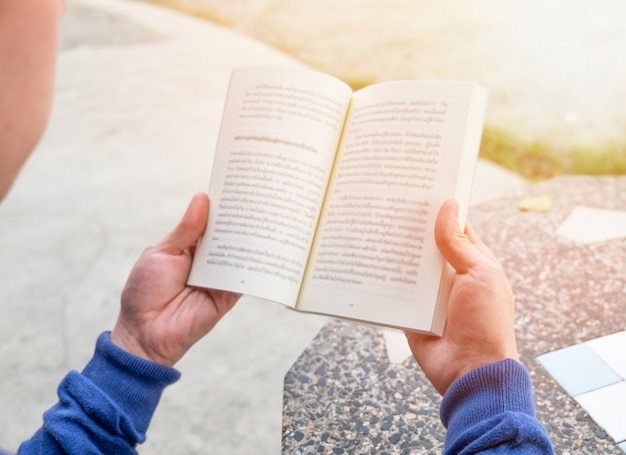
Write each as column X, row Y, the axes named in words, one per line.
column 343, row 396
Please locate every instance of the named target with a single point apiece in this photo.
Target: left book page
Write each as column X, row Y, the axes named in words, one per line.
column 280, row 131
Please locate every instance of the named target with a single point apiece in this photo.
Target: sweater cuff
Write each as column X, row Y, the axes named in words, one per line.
column 483, row 393
column 133, row 383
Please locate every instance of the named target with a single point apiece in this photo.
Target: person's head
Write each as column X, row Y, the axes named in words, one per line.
column 29, row 43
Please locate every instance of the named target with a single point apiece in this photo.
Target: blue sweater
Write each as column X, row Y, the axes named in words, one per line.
column 107, row 409
column 104, row 410
column 491, row 410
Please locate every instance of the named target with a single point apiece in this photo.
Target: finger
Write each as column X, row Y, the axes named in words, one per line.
column 457, row 247
column 473, row 237
column 189, row 228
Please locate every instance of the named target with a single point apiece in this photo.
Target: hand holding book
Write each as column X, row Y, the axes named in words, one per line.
column 480, row 325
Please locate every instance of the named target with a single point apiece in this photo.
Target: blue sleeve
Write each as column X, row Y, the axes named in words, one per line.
column 491, row 410
column 105, row 409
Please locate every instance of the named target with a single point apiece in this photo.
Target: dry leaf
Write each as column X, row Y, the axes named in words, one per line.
column 541, row 203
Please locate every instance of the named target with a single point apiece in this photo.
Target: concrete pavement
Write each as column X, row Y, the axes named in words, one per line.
column 139, row 97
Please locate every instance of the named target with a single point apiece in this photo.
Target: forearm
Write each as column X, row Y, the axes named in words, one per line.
column 105, row 409
column 491, row 410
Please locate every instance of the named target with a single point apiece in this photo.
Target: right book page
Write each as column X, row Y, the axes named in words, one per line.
column 408, row 146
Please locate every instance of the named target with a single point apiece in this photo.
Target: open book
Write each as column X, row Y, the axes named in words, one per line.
column 325, row 200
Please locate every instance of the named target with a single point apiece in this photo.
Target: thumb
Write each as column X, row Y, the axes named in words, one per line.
column 455, row 246
column 189, row 228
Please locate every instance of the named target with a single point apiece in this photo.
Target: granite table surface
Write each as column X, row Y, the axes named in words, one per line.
column 344, row 396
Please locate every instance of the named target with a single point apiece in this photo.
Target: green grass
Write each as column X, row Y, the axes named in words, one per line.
column 533, row 161
column 611, row 160
column 537, row 161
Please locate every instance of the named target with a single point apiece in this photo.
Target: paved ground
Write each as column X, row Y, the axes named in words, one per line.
column 566, row 267
column 138, row 101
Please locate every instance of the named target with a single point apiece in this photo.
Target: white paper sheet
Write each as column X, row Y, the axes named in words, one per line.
column 591, row 225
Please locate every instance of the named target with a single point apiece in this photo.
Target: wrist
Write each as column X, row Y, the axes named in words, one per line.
column 480, row 361
column 123, row 339
column 493, row 348
column 133, row 383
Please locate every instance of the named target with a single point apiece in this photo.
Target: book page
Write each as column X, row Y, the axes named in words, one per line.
column 375, row 257
column 277, row 144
